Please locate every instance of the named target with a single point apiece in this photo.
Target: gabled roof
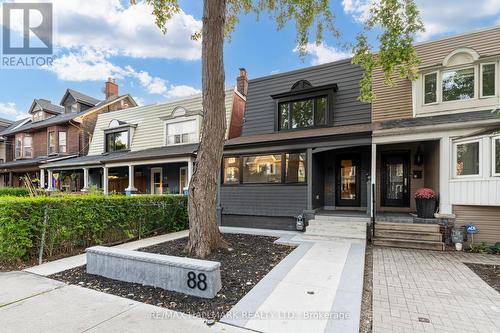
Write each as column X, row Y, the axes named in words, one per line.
column 46, row 106
column 80, row 97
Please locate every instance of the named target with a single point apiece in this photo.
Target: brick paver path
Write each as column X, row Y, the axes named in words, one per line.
column 428, row 291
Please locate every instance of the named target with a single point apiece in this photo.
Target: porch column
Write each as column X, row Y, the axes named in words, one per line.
column 309, row 171
column 10, row 178
column 42, row 179
column 373, row 178
column 85, row 180
column 190, row 170
column 131, row 174
column 50, row 181
column 105, row 187
column 444, row 175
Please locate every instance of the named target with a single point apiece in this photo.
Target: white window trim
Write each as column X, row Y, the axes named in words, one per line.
column 438, row 79
column 493, row 150
column 454, row 161
column 481, row 65
column 451, row 69
column 182, row 120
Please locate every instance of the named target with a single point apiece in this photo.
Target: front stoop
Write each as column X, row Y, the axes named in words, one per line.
column 409, row 235
column 329, row 227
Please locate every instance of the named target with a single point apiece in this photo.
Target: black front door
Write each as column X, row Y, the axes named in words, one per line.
column 395, row 179
column 348, row 181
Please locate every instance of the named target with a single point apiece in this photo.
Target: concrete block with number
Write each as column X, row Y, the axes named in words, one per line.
column 195, row 277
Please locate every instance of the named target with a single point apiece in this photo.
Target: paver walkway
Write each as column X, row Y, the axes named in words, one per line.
column 428, row 291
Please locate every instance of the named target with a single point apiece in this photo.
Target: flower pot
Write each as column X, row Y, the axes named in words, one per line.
column 458, row 246
column 426, row 207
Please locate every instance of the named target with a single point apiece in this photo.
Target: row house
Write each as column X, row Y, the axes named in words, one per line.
column 54, row 132
column 148, row 149
column 309, row 147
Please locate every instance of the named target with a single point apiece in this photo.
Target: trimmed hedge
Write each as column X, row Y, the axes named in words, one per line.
column 14, row 191
column 77, row 222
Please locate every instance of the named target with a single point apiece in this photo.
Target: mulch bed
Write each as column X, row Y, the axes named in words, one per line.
column 247, row 260
column 489, row 273
column 366, row 320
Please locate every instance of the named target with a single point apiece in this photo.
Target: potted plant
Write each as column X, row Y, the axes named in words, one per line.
column 426, row 202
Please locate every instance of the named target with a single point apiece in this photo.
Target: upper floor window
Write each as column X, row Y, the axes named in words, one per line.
column 24, row 146
column 181, row 132
column 467, row 157
column 430, row 88
column 488, row 78
column 117, row 141
column 62, row 143
column 38, row 116
column 52, row 143
column 458, row 84
column 303, row 113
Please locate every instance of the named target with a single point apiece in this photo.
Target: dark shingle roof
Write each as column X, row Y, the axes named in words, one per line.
column 464, row 117
column 81, row 97
column 48, row 106
column 32, row 161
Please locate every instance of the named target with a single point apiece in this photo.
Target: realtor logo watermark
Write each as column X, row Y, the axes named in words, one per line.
column 27, row 35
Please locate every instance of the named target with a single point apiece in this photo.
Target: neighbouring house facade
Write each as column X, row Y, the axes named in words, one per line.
column 305, row 147
column 442, row 132
column 55, row 132
column 147, row 149
column 4, row 124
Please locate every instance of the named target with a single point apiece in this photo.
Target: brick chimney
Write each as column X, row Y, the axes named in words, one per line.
column 111, row 89
column 242, row 82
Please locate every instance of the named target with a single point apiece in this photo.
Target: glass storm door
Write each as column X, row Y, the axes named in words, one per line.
column 156, row 181
column 183, row 179
column 395, row 180
column 348, row 182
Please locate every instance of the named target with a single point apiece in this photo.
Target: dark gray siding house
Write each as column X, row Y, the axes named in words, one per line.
column 305, row 147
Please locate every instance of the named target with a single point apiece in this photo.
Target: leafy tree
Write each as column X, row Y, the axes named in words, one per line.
column 398, row 20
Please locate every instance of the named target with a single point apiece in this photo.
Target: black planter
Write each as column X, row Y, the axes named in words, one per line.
column 426, row 208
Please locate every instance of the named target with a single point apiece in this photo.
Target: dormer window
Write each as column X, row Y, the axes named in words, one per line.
column 181, row 132
column 117, row 141
column 304, row 106
column 458, row 84
column 74, row 107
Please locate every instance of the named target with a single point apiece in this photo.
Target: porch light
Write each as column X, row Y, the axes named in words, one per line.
column 419, row 156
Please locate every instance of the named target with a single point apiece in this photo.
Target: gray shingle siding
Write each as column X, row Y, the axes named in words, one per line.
column 267, row 200
column 347, row 110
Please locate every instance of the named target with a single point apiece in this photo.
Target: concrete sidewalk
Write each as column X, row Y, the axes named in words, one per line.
column 31, row 303
column 56, row 266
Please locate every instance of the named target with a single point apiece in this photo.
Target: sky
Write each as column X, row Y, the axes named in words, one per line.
column 97, row 39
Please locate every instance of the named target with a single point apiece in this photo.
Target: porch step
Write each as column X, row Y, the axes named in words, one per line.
column 412, row 235
column 341, row 218
column 336, row 229
column 409, row 244
column 417, row 227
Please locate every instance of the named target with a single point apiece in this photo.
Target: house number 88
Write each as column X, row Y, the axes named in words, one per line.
column 195, row 281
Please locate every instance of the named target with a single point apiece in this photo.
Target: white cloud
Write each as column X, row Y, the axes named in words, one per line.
column 181, row 91
column 139, row 100
column 91, row 65
column 442, row 17
column 109, row 26
column 324, row 53
column 9, row 111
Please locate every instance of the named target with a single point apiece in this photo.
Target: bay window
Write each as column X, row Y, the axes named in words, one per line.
column 467, row 158
column 181, row 132
column 62, row 142
column 458, row 84
column 496, row 156
column 273, row 168
column 303, row 113
column 488, row 78
column 116, row 141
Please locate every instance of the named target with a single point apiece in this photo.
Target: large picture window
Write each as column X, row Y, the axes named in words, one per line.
column 116, row 141
column 181, row 132
column 303, row 113
column 467, row 158
column 458, row 84
column 275, row 168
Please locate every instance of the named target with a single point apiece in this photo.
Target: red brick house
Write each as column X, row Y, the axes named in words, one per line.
column 54, row 132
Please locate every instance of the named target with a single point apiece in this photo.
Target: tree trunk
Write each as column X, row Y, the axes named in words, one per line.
column 204, row 235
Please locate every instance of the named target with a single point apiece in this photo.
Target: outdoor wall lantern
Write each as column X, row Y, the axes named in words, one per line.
column 419, row 156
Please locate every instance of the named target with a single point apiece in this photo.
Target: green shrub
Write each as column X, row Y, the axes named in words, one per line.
column 14, row 191
column 76, row 222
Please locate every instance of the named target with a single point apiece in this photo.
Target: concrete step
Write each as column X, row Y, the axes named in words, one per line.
column 338, row 224
column 340, row 218
column 324, row 228
column 411, row 235
column 409, row 244
column 407, row 227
